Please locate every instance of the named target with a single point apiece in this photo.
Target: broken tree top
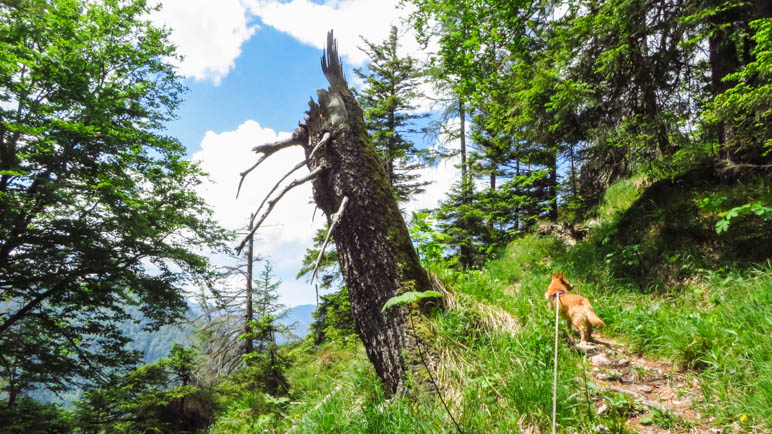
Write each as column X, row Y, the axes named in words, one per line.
column 352, row 188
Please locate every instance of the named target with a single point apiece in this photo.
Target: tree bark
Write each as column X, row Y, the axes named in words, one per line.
column 553, row 187
column 462, row 119
column 377, row 257
column 249, row 345
column 723, row 60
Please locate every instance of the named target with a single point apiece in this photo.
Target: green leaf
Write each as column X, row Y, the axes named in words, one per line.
column 409, row 297
column 722, row 225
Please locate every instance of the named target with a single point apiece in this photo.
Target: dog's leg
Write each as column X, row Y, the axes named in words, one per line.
column 588, row 326
column 582, row 331
column 570, row 326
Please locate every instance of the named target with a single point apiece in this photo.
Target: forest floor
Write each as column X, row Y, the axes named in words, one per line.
column 661, row 396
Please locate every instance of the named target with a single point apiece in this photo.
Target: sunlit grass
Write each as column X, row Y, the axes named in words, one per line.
column 494, row 348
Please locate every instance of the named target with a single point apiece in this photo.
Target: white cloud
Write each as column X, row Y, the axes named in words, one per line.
column 352, row 20
column 309, row 22
column 288, row 230
column 209, row 34
column 223, row 156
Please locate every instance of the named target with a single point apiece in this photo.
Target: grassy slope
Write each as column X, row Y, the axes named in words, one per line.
column 645, row 264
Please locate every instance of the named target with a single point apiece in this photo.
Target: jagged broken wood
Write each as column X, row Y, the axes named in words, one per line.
column 376, row 254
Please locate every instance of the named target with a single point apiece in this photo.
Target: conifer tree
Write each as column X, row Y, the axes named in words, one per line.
column 232, row 307
column 388, row 101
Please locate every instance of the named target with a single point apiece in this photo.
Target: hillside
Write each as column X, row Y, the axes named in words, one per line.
column 458, row 159
column 155, row 345
column 686, row 348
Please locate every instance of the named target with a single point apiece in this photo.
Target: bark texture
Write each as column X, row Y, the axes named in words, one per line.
column 377, row 257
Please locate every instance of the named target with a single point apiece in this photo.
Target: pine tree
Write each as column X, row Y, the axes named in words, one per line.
column 387, row 100
column 464, row 223
column 332, row 318
column 232, row 306
column 158, row 397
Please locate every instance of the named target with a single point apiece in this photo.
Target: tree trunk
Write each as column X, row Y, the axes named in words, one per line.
column 376, row 254
column 517, row 190
column 462, row 116
column 492, row 174
column 249, row 345
column 723, row 60
column 392, row 151
column 553, row 182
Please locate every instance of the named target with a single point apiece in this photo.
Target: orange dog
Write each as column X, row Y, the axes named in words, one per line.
column 574, row 308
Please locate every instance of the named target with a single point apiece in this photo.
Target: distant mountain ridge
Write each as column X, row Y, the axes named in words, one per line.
column 299, row 318
column 155, row 345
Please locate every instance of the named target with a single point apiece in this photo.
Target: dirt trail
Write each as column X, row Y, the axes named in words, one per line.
column 655, row 386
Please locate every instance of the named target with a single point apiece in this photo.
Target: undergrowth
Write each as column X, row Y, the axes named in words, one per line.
column 657, row 273
column 705, row 303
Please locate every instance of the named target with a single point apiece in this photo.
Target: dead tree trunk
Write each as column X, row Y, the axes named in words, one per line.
column 376, row 254
column 249, row 343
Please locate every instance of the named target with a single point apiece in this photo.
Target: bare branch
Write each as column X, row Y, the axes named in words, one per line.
column 335, row 220
column 286, row 175
column 322, row 142
column 273, row 202
column 299, row 137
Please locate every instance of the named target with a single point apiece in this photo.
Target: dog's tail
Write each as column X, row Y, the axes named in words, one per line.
column 592, row 317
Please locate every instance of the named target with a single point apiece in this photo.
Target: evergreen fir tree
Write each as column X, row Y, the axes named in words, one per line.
column 387, row 100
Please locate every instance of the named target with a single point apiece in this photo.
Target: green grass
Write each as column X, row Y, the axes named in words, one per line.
column 646, row 265
column 672, row 288
column 494, row 380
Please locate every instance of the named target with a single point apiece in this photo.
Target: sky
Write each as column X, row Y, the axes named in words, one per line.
column 251, row 67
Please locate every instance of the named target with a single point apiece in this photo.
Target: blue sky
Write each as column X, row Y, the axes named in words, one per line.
column 251, row 67
column 271, row 81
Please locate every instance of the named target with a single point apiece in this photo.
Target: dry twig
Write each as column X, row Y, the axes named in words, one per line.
column 273, row 202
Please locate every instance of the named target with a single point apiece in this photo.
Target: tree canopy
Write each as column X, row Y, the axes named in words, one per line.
column 388, row 101
column 98, row 208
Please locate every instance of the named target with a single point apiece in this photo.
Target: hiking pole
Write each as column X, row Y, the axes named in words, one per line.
column 555, row 378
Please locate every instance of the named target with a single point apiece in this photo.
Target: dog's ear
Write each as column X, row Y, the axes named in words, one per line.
column 561, row 275
column 555, row 275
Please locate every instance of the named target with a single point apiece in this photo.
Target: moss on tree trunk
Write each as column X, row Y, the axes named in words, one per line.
column 376, row 254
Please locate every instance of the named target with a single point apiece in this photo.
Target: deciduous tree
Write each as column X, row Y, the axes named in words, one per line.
column 98, row 208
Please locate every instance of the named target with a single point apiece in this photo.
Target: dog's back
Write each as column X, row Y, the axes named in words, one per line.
column 574, row 308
